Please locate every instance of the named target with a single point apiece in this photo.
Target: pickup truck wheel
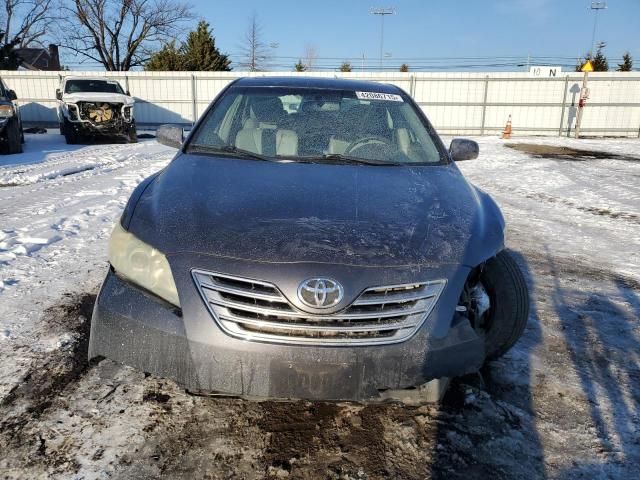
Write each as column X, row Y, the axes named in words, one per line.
column 500, row 304
column 69, row 132
column 12, row 144
column 132, row 136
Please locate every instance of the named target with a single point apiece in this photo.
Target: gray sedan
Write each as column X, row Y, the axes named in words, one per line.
column 312, row 238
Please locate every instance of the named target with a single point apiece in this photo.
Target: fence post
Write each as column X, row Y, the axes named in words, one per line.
column 412, row 86
column 194, row 99
column 484, row 103
column 564, row 103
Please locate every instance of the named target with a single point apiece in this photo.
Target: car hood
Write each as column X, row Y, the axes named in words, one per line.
column 295, row 212
column 98, row 97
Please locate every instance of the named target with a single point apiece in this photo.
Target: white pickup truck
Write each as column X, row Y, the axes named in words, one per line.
column 91, row 107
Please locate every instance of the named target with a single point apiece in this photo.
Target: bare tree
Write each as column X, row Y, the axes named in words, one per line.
column 25, row 22
column 310, row 56
column 255, row 51
column 120, row 34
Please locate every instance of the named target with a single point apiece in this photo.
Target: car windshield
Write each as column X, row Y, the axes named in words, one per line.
column 101, row 86
column 318, row 125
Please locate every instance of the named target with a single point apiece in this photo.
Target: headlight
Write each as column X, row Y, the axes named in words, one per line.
column 142, row 264
column 72, row 108
column 6, row 111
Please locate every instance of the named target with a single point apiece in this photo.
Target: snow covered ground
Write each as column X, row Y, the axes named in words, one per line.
column 565, row 403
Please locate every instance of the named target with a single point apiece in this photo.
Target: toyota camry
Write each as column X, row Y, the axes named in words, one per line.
column 312, row 238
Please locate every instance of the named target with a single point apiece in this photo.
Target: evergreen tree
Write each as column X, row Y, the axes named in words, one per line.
column 167, row 59
column 200, row 52
column 600, row 63
column 404, row 67
column 627, row 63
column 345, row 67
column 300, row 67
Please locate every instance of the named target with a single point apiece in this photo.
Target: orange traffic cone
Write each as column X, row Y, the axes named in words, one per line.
column 506, row 133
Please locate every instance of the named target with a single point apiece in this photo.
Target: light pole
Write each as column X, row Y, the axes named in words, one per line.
column 382, row 12
column 597, row 6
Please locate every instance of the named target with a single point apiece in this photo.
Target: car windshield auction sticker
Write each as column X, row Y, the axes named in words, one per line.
column 389, row 97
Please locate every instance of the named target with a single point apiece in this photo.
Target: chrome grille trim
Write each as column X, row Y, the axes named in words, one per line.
column 256, row 310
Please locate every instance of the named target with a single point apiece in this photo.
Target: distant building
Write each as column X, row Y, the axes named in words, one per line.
column 38, row 58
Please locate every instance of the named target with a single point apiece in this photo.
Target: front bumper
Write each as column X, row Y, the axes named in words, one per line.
column 136, row 328
column 114, row 128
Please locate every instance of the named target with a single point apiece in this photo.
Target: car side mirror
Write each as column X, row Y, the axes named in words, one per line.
column 170, row 135
column 127, row 93
column 463, row 149
column 12, row 95
column 58, row 94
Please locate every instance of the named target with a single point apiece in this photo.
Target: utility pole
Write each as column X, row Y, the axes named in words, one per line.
column 382, row 12
column 596, row 6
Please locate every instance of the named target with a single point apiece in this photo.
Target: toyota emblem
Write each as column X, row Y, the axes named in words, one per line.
column 320, row 292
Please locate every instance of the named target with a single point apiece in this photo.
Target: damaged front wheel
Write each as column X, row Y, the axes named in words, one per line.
column 70, row 134
column 497, row 300
column 132, row 134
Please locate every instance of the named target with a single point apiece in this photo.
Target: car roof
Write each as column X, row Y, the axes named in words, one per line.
column 93, row 79
column 317, row 82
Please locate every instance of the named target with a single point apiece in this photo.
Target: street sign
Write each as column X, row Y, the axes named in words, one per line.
column 545, row 71
column 587, row 67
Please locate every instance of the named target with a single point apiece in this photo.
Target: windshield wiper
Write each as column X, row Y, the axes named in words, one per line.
column 345, row 159
column 228, row 150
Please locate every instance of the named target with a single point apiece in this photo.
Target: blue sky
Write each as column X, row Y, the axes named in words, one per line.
column 427, row 28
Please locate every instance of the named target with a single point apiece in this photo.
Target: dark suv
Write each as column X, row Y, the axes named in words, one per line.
column 11, row 135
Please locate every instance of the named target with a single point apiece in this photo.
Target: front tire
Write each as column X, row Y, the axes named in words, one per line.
column 509, row 304
column 70, row 134
column 132, row 135
column 12, row 144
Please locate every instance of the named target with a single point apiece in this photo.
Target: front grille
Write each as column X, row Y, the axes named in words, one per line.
column 258, row 311
column 100, row 113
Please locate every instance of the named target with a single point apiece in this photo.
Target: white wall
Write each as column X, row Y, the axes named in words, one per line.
column 456, row 103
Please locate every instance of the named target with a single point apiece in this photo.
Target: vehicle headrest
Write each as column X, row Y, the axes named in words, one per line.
column 268, row 109
column 250, row 123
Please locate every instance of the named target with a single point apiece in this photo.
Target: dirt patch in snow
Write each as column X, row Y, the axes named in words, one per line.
column 598, row 211
column 568, row 153
column 65, row 365
column 202, row 437
column 48, row 377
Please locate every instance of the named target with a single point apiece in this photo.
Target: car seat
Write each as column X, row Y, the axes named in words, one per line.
column 261, row 133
